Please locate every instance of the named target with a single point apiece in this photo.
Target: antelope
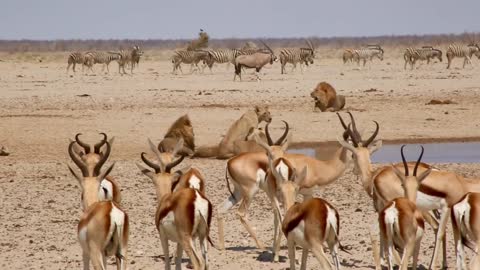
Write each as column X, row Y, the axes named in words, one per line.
column 182, row 215
column 401, row 222
column 109, row 187
column 256, row 61
column 439, row 191
column 302, row 220
column 103, row 227
column 465, row 224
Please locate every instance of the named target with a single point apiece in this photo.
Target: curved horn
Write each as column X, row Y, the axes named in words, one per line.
column 77, row 160
column 149, row 163
column 370, row 140
column 355, row 132
column 267, row 134
column 341, row 121
column 350, row 133
column 285, row 133
column 96, row 147
column 84, row 145
column 103, row 159
column 418, row 162
column 310, row 44
column 170, row 165
column 405, row 165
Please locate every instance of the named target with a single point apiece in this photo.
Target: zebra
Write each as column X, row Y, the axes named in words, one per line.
column 466, row 52
column 128, row 57
column 348, row 55
column 294, row 56
column 221, row 56
column 75, row 58
column 103, row 58
column 188, row 57
column 412, row 55
column 368, row 54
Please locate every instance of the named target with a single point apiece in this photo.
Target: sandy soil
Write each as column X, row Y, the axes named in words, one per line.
column 41, row 107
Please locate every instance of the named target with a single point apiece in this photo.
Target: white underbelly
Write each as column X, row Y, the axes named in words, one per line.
column 427, row 202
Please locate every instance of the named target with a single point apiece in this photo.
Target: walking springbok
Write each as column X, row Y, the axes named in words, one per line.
column 401, row 222
column 103, row 227
column 182, row 215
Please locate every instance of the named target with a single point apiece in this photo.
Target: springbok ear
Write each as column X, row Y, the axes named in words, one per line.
column 105, row 172
column 424, row 175
column 77, row 176
column 145, row 171
column 257, row 109
column 374, row 146
column 111, row 140
column 399, row 174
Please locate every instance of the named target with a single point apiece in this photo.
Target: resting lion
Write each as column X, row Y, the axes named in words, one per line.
column 239, row 130
column 181, row 128
column 326, row 98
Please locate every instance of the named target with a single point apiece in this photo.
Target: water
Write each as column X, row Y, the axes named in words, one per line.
column 455, row 152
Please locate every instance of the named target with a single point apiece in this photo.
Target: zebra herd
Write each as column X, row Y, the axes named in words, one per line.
column 412, row 55
column 123, row 57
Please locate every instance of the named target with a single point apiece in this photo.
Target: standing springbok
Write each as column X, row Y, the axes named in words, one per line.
column 439, row 191
column 103, row 228
column 308, row 224
column 181, row 216
column 256, row 61
column 401, row 222
column 109, row 187
column 466, row 224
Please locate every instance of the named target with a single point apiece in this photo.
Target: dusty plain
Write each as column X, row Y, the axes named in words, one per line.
column 41, row 107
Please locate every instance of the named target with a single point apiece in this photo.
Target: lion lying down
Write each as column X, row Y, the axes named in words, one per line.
column 326, row 98
column 235, row 140
column 181, row 128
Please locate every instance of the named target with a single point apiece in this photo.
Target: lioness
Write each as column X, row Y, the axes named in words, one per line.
column 181, row 128
column 239, row 130
column 326, row 98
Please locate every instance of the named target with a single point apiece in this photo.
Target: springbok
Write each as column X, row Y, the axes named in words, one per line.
column 181, row 216
column 103, row 227
column 308, row 224
column 109, row 187
column 439, row 191
column 401, row 222
column 466, row 224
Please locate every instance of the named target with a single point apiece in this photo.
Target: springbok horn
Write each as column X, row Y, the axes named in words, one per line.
column 370, row 140
column 280, row 140
column 341, row 121
column 103, row 159
column 355, row 132
column 171, row 165
column 150, row 164
column 96, row 147
column 82, row 144
column 405, row 165
column 418, row 162
column 267, row 134
column 77, row 160
column 354, row 140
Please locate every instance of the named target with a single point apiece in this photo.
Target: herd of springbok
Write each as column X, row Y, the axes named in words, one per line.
column 405, row 196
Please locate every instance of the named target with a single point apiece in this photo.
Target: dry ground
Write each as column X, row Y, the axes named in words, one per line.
column 41, row 107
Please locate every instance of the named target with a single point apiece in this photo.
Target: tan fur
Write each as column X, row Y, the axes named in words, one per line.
column 238, row 131
column 326, row 98
column 249, row 144
column 181, row 128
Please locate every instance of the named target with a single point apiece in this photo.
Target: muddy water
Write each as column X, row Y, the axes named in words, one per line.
column 455, row 152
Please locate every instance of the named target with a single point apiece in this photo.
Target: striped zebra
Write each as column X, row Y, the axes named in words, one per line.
column 222, row 56
column 188, row 57
column 348, row 55
column 295, row 56
column 466, row 52
column 104, row 58
column 76, row 58
column 128, row 57
column 367, row 54
column 412, row 55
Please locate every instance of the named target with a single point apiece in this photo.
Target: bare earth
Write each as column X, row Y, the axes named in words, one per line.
column 41, row 108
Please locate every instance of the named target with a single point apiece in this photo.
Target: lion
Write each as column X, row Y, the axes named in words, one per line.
column 237, row 132
column 181, row 128
column 326, row 98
